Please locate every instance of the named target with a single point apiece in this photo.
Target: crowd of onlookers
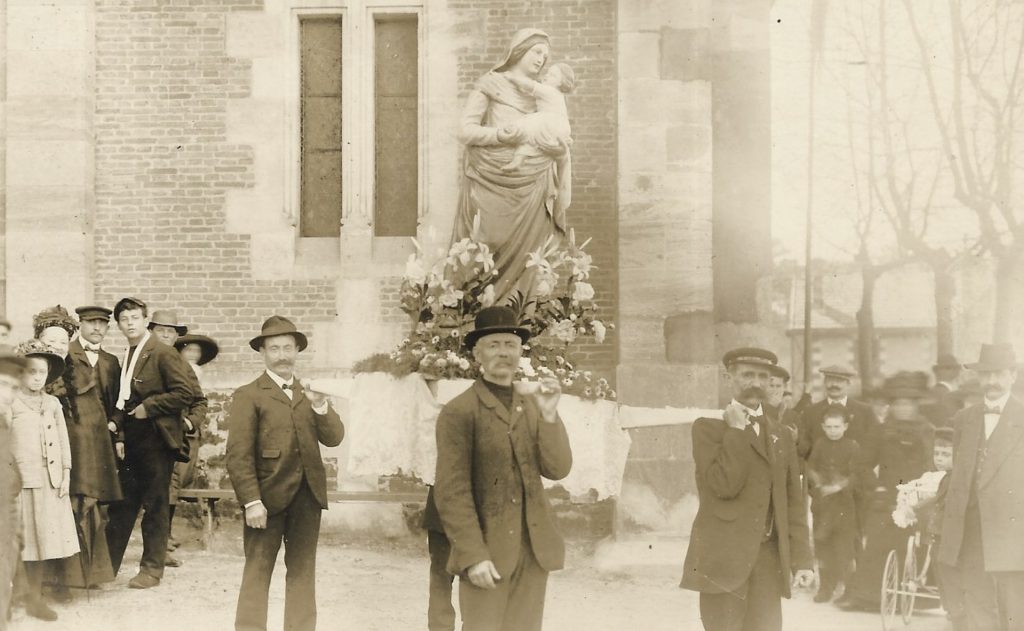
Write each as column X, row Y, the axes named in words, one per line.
column 78, row 463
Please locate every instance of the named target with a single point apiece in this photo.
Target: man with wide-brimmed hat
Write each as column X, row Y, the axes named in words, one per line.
column 904, row 452
column 155, row 387
column 275, row 429
column 863, row 424
column 749, row 540
column 983, row 525
column 494, row 444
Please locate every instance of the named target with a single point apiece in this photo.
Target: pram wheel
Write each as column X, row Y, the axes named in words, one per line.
column 910, row 582
column 890, row 591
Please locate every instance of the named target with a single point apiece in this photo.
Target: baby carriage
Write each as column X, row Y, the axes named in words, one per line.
column 915, row 506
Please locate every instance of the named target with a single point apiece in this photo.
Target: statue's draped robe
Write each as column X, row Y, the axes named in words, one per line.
column 518, row 210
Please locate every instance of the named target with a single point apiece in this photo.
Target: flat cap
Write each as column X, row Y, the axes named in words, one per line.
column 835, row 370
column 749, row 355
column 127, row 303
column 780, row 372
column 93, row 312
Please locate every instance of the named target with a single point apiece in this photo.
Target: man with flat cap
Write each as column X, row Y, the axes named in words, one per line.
column 494, row 444
column 863, row 427
column 94, row 476
column 275, row 429
column 749, row 540
column 153, row 389
column 983, row 524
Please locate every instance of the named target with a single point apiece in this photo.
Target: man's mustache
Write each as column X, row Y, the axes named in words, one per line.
column 753, row 392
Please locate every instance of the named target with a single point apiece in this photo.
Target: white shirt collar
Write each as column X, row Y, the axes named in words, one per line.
column 948, row 385
column 841, row 402
column 752, row 412
column 278, row 379
column 999, row 403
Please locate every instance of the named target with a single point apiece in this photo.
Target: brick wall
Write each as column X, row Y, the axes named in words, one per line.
column 582, row 35
column 163, row 166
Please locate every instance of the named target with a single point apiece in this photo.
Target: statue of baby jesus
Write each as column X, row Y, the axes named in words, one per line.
column 547, row 130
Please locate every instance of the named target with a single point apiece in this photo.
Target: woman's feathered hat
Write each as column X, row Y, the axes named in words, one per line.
column 36, row 348
column 54, row 316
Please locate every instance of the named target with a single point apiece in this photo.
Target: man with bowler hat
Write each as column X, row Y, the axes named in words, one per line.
column 749, row 539
column 154, row 389
column 494, row 443
column 275, row 428
column 983, row 524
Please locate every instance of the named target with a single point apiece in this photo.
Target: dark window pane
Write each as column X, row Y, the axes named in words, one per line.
column 321, row 159
column 396, row 184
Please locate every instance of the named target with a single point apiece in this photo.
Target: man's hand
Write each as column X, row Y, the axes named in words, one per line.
column 139, row 412
column 256, row 516
column 119, row 449
column 483, row 575
column 803, row 578
column 547, row 397
column 65, row 484
column 735, row 416
column 112, row 426
column 317, row 399
column 510, row 135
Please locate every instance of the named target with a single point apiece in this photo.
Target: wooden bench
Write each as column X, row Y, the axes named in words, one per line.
column 210, row 497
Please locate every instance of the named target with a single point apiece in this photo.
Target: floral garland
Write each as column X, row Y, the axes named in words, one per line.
column 445, row 294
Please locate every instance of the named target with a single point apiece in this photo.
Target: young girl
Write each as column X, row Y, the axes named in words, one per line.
column 43, row 455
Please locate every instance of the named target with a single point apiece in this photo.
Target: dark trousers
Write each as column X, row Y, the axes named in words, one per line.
column 761, row 610
column 145, row 477
column 298, row 526
column 440, row 612
column 1010, row 595
column 981, row 609
column 515, row 604
column 835, row 551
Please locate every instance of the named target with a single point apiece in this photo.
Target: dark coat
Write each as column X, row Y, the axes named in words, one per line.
column 489, row 466
column 1000, row 488
column 905, row 451
column 162, row 383
column 274, row 441
column 93, row 462
column 943, row 407
column 864, row 427
column 833, row 462
column 734, row 470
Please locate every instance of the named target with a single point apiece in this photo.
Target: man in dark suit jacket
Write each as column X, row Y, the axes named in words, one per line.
column 864, row 424
column 750, row 535
column 154, row 388
column 11, row 369
column 946, row 401
column 493, row 446
column 275, row 429
column 983, row 524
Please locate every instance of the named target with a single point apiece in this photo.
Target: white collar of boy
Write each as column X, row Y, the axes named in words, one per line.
column 128, row 369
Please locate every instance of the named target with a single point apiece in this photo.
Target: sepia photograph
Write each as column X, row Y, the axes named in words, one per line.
column 512, row 315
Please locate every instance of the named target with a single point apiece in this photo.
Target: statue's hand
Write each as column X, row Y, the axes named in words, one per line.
column 510, row 135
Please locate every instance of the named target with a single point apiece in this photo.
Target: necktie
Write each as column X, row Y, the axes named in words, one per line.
column 289, row 389
column 993, row 409
column 756, row 423
column 92, row 348
column 286, row 386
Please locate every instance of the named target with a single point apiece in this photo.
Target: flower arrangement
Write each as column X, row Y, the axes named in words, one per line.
column 445, row 293
column 914, row 496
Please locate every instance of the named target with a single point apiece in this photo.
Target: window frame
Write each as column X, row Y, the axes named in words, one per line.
column 358, row 132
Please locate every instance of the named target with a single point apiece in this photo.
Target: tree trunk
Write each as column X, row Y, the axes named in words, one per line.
column 866, row 328
column 945, row 292
column 1009, row 281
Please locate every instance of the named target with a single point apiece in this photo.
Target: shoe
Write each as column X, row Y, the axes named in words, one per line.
column 858, row 605
column 38, row 609
column 61, row 594
column 170, row 561
column 823, row 596
column 172, row 544
column 143, row 581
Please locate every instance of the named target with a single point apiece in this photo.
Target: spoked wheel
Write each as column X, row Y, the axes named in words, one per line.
column 908, row 593
column 890, row 591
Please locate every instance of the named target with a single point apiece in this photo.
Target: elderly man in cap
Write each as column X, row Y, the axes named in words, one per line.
column 154, row 389
column 11, row 369
column 494, row 443
column 749, row 539
column 983, row 524
column 164, row 326
column 864, row 426
column 275, row 429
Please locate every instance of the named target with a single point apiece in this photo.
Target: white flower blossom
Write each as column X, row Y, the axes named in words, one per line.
column 599, row 331
column 583, row 291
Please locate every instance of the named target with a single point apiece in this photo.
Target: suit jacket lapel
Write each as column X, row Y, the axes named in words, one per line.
column 1003, row 440
column 967, row 450
column 491, row 402
column 275, row 391
column 297, row 394
column 78, row 353
column 144, row 352
column 757, row 442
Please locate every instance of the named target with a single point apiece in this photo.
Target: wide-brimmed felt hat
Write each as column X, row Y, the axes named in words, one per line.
column 36, row 348
column 835, row 370
column 278, row 325
column 993, row 357
column 207, row 346
column 493, row 320
column 750, row 355
column 93, row 312
column 127, row 303
column 906, row 385
column 166, row 317
column 947, row 360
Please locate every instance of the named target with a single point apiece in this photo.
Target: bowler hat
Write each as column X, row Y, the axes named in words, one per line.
column 128, row 303
column 166, row 317
column 834, row 370
column 36, row 348
column 93, row 312
column 993, row 357
column 495, row 320
column 207, row 346
column 750, row 355
column 278, row 325
column 906, row 385
column 947, row 360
